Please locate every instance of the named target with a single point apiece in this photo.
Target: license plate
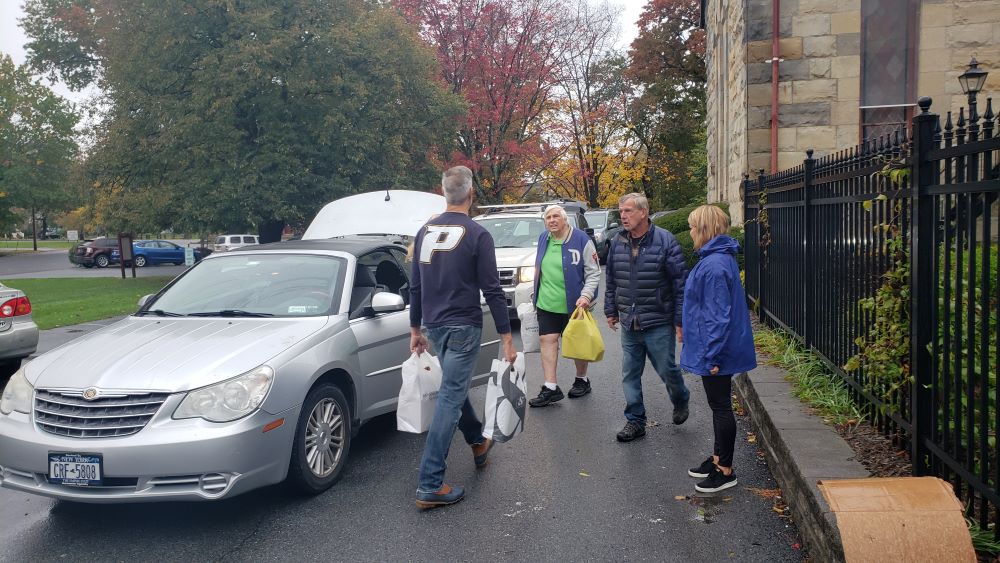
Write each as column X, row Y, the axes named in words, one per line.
column 81, row 470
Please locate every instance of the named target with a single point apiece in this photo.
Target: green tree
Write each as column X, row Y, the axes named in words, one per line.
column 37, row 145
column 668, row 114
column 226, row 115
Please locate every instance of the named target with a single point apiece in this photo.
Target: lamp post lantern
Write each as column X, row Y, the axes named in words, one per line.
column 972, row 81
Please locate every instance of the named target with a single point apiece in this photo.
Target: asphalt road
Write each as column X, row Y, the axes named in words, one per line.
column 54, row 263
column 564, row 490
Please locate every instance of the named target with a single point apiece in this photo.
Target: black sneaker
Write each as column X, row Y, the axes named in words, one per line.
column 703, row 470
column 717, row 481
column 631, row 431
column 680, row 414
column 580, row 388
column 546, row 397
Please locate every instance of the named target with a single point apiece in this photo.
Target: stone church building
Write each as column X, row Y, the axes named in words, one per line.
column 846, row 70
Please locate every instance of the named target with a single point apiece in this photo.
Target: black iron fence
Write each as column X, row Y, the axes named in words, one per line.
column 826, row 235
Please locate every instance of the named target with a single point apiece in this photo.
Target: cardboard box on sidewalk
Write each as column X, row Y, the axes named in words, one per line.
column 899, row 519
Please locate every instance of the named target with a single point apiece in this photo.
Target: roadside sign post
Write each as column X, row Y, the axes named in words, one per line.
column 125, row 252
column 188, row 256
column 72, row 235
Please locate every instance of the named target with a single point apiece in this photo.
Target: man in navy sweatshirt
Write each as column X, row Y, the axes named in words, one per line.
column 453, row 260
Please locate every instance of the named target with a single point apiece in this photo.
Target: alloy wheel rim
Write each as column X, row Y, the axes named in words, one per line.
column 324, row 438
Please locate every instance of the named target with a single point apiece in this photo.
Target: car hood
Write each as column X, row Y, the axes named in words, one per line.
column 515, row 257
column 392, row 212
column 171, row 355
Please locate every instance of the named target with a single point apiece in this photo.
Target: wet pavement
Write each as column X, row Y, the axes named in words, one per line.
column 564, row 490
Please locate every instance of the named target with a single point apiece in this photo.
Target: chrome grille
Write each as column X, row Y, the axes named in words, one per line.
column 67, row 413
column 508, row 277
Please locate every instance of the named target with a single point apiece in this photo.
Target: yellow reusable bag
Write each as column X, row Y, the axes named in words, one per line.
column 582, row 339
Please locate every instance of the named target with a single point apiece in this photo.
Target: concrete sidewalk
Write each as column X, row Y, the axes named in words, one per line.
column 801, row 450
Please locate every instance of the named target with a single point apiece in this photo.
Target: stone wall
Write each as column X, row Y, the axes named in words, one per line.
column 818, row 79
column 951, row 32
column 727, row 109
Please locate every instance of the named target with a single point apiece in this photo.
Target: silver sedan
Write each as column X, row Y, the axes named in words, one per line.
column 254, row 367
column 18, row 333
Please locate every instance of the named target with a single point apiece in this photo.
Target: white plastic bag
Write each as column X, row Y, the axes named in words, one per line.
column 529, row 327
column 506, row 400
column 418, row 394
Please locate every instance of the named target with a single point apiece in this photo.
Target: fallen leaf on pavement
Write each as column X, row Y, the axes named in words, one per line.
column 680, row 497
column 796, row 546
column 751, row 437
column 778, row 510
column 584, row 474
column 765, row 493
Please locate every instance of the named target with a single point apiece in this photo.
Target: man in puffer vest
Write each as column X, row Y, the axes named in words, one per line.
column 645, row 296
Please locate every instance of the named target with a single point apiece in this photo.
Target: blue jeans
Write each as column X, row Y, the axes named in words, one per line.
column 659, row 344
column 457, row 349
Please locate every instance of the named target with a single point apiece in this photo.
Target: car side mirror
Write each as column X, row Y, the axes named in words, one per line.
column 613, row 226
column 145, row 299
column 386, row 302
column 589, row 231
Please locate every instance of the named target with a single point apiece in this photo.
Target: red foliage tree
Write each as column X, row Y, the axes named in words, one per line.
column 501, row 56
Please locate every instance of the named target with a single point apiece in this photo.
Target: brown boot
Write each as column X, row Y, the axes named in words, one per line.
column 481, row 451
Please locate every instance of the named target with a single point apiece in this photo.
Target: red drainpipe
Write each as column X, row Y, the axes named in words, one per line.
column 775, row 52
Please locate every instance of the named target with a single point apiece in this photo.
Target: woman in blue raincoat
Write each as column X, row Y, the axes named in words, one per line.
column 718, row 342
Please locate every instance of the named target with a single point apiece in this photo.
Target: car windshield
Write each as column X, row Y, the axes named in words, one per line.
column 220, row 240
column 596, row 218
column 514, row 232
column 252, row 285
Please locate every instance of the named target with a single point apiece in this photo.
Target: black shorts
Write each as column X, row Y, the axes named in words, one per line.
column 551, row 323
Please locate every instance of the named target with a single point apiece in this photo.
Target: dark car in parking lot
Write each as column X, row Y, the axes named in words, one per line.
column 95, row 252
column 606, row 224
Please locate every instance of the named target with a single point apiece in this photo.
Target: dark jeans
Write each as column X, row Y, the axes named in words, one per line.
column 719, row 390
column 659, row 345
column 457, row 349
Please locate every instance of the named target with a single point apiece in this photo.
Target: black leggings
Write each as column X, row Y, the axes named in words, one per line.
column 719, row 390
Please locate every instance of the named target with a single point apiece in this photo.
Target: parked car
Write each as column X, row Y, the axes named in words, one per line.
column 156, row 252
column 606, row 224
column 18, row 333
column 515, row 229
column 253, row 367
column 95, row 252
column 659, row 214
column 230, row 242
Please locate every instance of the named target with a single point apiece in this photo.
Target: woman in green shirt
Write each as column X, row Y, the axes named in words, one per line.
column 566, row 277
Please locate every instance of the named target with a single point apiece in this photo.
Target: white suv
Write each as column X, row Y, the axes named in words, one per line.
column 515, row 230
column 229, row 242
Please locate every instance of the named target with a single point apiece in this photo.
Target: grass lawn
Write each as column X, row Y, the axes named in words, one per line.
column 66, row 301
column 26, row 244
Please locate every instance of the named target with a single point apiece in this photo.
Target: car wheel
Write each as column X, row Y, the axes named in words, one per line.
column 322, row 441
column 102, row 261
column 140, row 261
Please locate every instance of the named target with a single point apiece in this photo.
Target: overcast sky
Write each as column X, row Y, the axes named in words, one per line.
column 12, row 37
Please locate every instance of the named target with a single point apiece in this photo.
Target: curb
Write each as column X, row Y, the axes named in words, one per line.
column 801, row 451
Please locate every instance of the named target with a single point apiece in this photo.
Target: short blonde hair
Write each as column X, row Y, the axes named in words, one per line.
column 707, row 222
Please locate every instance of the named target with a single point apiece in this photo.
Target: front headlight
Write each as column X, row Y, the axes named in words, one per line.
column 229, row 400
column 17, row 394
column 526, row 274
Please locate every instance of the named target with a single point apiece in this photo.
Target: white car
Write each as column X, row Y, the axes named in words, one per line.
column 515, row 230
column 230, row 242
